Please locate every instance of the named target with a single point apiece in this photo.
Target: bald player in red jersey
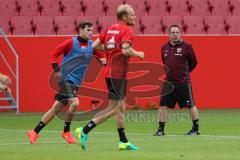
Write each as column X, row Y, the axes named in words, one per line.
column 116, row 42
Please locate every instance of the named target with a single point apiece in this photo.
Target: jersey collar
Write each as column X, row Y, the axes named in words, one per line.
column 82, row 40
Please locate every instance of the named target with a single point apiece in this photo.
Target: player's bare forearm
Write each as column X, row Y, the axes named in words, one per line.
column 100, row 48
column 133, row 53
column 129, row 51
column 97, row 45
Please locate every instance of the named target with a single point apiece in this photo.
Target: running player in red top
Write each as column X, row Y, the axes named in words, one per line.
column 116, row 41
column 77, row 53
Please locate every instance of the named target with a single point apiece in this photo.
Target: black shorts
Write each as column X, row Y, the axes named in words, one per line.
column 181, row 94
column 116, row 88
column 67, row 90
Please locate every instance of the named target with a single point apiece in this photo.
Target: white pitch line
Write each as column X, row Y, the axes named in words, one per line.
column 91, row 141
column 134, row 134
column 23, row 143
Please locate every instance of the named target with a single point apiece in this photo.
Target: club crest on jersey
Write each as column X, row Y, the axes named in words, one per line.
column 111, row 44
column 179, row 50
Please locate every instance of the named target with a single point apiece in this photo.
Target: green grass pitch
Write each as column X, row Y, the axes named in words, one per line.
column 219, row 140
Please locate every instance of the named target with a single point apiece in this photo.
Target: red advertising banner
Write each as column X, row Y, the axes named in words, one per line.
column 215, row 79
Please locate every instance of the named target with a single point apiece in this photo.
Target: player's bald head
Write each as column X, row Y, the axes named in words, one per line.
column 124, row 10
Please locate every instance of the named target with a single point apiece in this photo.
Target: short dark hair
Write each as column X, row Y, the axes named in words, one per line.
column 173, row 26
column 83, row 24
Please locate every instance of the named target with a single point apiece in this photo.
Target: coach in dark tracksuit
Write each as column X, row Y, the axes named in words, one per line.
column 180, row 60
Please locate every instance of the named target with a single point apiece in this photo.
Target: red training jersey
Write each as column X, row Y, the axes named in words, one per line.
column 112, row 38
column 65, row 47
